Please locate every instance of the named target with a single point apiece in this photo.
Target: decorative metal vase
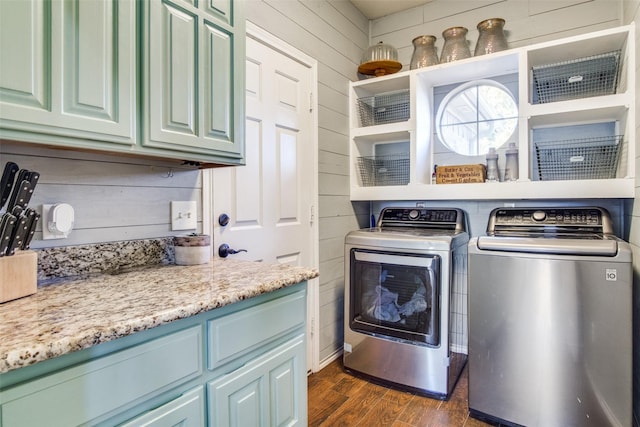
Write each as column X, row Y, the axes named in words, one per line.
column 455, row 44
column 491, row 38
column 424, row 52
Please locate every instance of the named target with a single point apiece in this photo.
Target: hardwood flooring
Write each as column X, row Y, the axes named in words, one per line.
column 337, row 398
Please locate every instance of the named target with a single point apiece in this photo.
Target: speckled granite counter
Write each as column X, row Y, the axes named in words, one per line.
column 77, row 314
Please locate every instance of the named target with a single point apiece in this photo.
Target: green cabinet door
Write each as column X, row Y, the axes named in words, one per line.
column 268, row 391
column 194, row 79
column 67, row 72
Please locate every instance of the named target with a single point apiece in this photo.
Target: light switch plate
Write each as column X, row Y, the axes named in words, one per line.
column 184, row 215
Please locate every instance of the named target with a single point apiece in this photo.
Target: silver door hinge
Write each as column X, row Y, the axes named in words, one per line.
column 310, row 102
column 312, row 215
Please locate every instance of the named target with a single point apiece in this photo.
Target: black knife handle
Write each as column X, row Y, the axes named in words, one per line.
column 18, row 235
column 25, row 190
column 16, row 189
column 7, row 224
column 6, row 182
column 32, row 220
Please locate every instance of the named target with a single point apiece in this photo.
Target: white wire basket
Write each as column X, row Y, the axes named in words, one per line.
column 580, row 78
column 391, row 169
column 384, row 108
column 588, row 158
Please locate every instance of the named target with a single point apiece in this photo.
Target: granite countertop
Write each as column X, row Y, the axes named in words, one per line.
column 76, row 314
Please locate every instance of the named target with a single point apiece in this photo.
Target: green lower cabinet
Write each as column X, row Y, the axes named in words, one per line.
column 270, row 391
column 185, row 411
column 243, row 365
column 90, row 392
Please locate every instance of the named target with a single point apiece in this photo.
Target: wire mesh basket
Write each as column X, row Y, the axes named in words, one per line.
column 580, row 78
column 588, row 158
column 391, row 169
column 384, row 108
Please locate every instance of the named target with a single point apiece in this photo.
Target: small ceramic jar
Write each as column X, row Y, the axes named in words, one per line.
column 192, row 249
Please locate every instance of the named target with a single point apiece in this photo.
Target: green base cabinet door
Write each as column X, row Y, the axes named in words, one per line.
column 193, row 74
column 68, row 72
column 269, row 391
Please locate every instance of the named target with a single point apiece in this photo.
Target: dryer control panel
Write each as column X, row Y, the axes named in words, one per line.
column 451, row 219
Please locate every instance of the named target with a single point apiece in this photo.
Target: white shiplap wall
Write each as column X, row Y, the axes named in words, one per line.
column 527, row 21
column 115, row 198
column 335, row 34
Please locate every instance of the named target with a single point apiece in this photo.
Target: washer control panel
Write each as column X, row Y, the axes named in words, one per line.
column 569, row 219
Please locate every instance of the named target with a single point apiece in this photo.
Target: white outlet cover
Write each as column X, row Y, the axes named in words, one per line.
column 184, row 215
column 57, row 221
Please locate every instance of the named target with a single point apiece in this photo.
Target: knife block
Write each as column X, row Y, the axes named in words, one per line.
column 18, row 275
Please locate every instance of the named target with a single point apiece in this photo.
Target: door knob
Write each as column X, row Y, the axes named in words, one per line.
column 224, row 250
column 223, row 219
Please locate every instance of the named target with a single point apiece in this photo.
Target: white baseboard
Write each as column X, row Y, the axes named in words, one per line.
column 327, row 360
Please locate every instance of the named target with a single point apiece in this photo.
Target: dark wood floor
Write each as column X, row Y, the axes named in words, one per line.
column 340, row 399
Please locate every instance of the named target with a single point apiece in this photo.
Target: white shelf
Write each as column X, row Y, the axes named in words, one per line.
column 381, row 132
column 418, row 130
column 579, row 189
column 596, row 109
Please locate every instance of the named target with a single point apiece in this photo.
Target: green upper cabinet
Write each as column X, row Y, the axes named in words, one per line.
column 194, row 78
column 68, row 71
column 152, row 78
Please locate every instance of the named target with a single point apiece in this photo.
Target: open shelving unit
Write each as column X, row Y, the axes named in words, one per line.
column 415, row 137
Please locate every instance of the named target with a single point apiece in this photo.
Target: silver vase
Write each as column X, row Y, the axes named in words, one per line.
column 455, row 44
column 491, row 38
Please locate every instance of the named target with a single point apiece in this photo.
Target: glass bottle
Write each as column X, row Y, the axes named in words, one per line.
column 424, row 52
column 455, row 44
column 511, row 165
column 492, row 165
column 491, row 38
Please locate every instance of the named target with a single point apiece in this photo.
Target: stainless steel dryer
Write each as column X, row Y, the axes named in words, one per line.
column 550, row 341
column 405, row 300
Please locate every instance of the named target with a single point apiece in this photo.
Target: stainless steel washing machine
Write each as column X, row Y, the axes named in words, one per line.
column 405, row 300
column 550, row 326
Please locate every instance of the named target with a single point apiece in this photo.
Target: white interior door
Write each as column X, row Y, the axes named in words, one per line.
column 271, row 201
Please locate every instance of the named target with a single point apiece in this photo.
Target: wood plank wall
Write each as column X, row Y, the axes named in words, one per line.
column 527, row 21
column 335, row 34
column 115, row 198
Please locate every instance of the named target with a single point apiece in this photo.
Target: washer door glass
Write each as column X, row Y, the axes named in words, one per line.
column 395, row 295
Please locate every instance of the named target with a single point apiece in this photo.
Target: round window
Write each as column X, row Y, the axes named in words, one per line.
column 476, row 116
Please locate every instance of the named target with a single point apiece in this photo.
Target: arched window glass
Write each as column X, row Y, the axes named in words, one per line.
column 475, row 116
